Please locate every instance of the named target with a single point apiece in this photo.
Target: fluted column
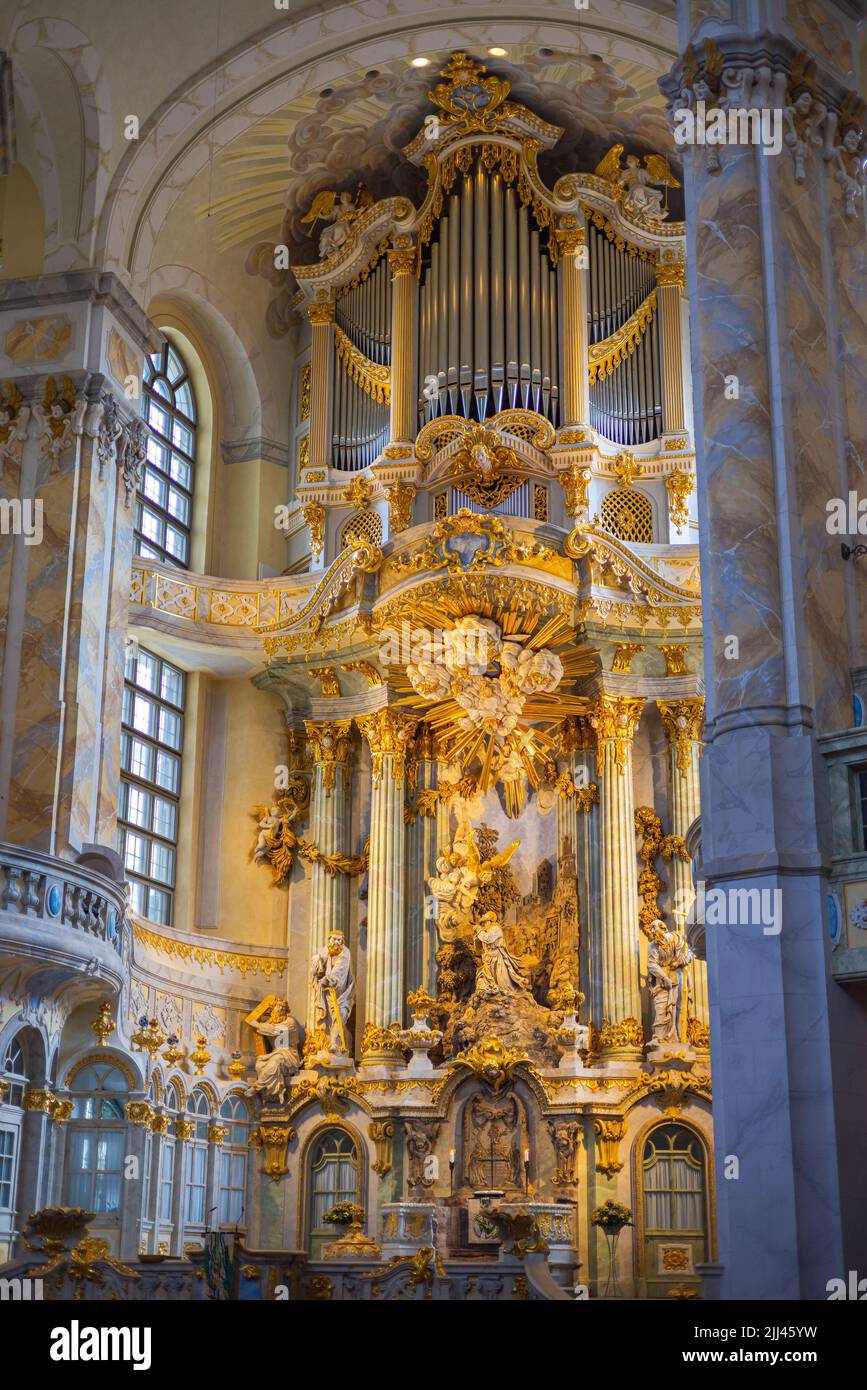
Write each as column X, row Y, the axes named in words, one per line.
column 615, row 719
column 321, row 316
column 575, row 382
column 402, row 260
column 578, row 819
column 670, row 281
column 422, row 849
column 682, row 720
column 389, row 733
column 329, row 894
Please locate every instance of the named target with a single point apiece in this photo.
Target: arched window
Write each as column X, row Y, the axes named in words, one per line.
column 199, row 1111
column 628, row 515
column 334, row 1175
column 14, row 1072
column 235, row 1116
column 165, row 499
column 674, row 1216
column 97, row 1139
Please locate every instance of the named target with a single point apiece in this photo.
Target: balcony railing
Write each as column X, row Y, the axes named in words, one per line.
column 57, row 892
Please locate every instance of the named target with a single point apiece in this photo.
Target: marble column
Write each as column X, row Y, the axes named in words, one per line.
column 670, row 282
column 777, row 289
column 575, row 379
column 330, row 744
column 578, row 818
column 422, row 849
column 321, row 316
column 71, row 461
column 615, row 719
column 403, row 261
column 389, row 733
column 682, row 721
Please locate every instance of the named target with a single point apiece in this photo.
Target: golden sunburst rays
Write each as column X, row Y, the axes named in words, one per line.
column 525, row 751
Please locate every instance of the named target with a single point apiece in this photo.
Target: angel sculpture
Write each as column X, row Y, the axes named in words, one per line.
column 461, row 872
column 804, row 116
column 488, row 676
column 14, row 415
column 339, row 210
column 848, row 156
column 483, row 452
column 275, row 843
column 641, row 201
column 58, row 419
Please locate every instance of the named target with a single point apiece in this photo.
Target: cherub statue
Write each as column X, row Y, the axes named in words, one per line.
column 59, row 418
column 14, row 415
column 275, row 842
column 275, row 1069
column 339, row 210
column 804, row 116
column 641, row 201
column 848, row 155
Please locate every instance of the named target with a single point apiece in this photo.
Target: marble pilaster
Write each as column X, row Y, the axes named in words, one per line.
column 422, row 849
column 768, row 295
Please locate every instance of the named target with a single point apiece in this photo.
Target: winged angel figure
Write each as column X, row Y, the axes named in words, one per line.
column 461, row 872
column 641, row 201
column 339, row 210
column 276, row 842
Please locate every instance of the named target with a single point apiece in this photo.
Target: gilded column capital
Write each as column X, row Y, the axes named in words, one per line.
column 682, row 720
column 330, row 741
column 575, row 481
column 389, row 732
column 671, row 274
column 402, row 260
column 615, row 719
column 321, row 313
column 571, row 238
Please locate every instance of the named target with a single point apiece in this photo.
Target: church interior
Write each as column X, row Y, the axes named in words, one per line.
column 433, row 730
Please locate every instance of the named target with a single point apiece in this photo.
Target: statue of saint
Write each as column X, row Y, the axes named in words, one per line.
column 499, row 972
column 274, row 1070
column 333, row 992
column 668, row 957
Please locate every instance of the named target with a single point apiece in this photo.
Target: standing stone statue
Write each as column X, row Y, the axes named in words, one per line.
column 668, row 957
column 333, row 992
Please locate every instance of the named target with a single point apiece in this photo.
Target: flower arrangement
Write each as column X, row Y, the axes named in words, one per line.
column 612, row 1217
column 344, row 1214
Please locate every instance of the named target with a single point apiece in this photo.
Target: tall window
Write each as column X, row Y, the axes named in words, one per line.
column 97, row 1143
column 150, row 758
column 674, row 1181
column 165, row 500
column 233, row 1161
column 199, row 1110
column 334, row 1176
column 13, row 1071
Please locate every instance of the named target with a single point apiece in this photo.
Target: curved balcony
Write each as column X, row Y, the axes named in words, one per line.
column 64, row 914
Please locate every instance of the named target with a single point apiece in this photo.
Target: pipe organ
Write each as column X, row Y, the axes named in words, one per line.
column 498, row 318
column 362, row 321
column 488, row 307
column 626, row 401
